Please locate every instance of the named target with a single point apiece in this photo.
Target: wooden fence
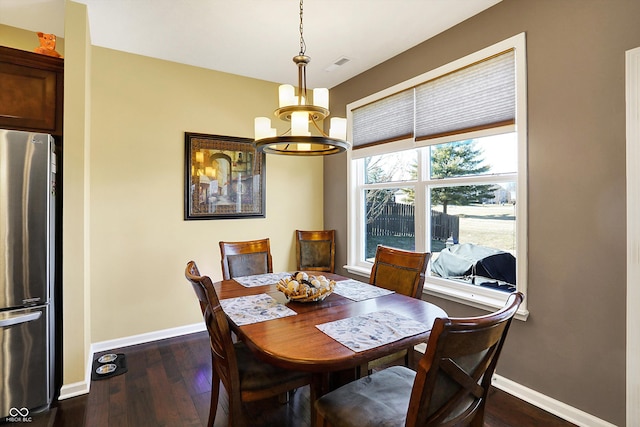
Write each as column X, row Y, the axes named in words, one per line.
column 397, row 219
column 444, row 226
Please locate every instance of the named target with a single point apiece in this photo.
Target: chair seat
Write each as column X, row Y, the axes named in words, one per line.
column 257, row 375
column 381, row 399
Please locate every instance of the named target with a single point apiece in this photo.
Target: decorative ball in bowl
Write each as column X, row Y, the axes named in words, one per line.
column 302, row 287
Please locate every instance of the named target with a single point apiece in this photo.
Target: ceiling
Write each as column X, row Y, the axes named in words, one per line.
column 256, row 38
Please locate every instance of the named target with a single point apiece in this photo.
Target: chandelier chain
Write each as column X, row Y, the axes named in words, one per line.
column 298, row 141
column 303, row 46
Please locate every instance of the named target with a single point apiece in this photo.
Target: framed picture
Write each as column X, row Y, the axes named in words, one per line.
column 224, row 178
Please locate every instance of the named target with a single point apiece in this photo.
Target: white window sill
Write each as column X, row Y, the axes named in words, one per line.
column 360, row 271
column 486, row 299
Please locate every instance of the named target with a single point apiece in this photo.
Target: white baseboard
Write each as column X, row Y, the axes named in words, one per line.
column 542, row 401
column 145, row 338
column 82, row 387
column 555, row 407
column 72, row 390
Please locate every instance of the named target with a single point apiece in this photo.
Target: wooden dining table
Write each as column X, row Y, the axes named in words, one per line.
column 294, row 342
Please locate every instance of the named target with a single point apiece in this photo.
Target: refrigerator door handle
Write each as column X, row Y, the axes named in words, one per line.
column 20, row 319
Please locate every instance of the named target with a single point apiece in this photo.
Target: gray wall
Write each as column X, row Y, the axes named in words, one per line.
column 572, row 347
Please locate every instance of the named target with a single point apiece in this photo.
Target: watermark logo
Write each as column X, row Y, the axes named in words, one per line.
column 18, row 415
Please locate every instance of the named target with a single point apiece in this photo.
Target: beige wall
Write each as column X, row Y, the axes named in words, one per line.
column 76, row 259
column 572, row 348
column 140, row 243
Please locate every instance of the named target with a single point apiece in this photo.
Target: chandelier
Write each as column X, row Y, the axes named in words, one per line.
column 295, row 108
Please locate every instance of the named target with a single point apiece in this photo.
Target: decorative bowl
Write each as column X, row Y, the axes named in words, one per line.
column 301, row 287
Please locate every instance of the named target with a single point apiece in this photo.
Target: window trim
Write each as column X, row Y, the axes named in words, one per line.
column 487, row 299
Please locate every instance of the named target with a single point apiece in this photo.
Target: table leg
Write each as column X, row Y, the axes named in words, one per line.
column 339, row 378
column 319, row 387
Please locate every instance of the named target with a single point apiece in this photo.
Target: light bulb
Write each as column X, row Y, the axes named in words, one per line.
column 300, row 123
column 338, row 128
column 286, row 96
column 321, row 97
column 262, row 127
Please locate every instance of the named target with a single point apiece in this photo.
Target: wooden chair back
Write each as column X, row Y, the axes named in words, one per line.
column 245, row 258
column 316, row 250
column 454, row 375
column 400, row 271
column 223, row 356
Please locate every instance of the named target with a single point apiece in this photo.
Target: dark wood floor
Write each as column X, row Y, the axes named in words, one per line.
column 168, row 384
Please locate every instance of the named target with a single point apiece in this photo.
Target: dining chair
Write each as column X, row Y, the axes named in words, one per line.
column 244, row 377
column 316, row 250
column 450, row 387
column 245, row 258
column 403, row 272
column 399, row 270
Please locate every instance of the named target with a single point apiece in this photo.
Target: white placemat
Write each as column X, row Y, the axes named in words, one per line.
column 371, row 330
column 261, row 279
column 254, row 308
column 359, row 291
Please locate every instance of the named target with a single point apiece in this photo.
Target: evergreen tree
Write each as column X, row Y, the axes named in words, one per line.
column 458, row 159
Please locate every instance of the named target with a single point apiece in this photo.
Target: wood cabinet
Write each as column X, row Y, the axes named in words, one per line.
column 31, row 91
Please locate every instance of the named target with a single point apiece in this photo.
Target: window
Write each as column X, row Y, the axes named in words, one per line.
column 439, row 165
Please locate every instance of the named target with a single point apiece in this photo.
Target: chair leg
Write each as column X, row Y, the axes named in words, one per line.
column 235, row 413
column 215, row 393
column 320, row 421
column 478, row 418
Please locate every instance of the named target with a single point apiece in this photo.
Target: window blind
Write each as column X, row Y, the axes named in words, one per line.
column 389, row 119
column 479, row 96
column 476, row 97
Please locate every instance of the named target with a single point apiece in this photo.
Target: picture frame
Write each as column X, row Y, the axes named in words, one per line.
column 224, row 178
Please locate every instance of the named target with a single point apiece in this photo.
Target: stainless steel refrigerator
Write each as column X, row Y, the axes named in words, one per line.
column 27, row 206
